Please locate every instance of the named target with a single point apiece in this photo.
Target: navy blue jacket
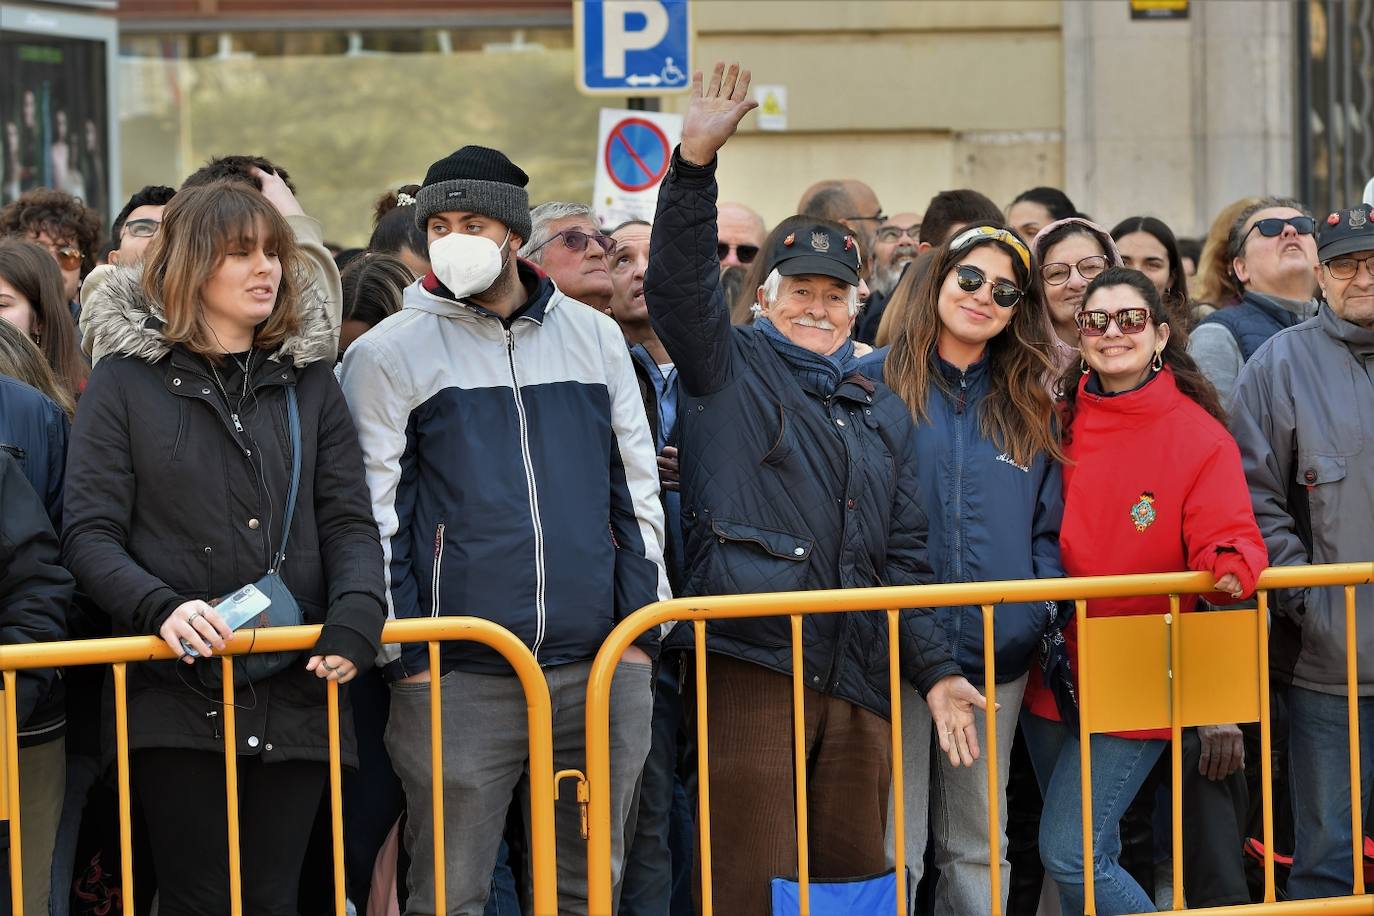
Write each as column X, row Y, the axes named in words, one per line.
column 784, row 489
column 34, row 431
column 1253, row 320
column 990, row 518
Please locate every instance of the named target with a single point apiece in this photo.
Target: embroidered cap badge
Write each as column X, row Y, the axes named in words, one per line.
column 820, row 241
column 1357, row 218
column 1143, row 512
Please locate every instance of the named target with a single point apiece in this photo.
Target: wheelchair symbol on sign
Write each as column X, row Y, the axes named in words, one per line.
column 671, row 73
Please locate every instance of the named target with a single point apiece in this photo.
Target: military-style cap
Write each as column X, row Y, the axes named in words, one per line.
column 1345, row 232
column 817, row 249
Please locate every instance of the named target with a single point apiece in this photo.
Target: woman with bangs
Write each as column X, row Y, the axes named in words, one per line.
column 970, row 360
column 1152, row 484
column 212, row 434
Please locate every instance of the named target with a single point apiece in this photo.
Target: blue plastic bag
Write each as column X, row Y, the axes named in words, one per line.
column 875, row 895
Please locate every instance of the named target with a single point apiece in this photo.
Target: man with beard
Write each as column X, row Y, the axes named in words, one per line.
column 895, row 245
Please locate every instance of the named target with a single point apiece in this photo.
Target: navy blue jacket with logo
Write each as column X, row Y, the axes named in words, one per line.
column 512, row 472
column 990, row 518
column 784, row 489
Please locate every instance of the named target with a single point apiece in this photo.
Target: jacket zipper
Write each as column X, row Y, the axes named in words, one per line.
column 956, row 522
column 533, row 489
column 438, row 565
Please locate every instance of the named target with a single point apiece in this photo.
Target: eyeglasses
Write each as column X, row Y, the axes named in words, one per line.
column 745, row 253
column 576, row 240
column 1095, row 322
column 1347, row 268
column 1273, row 226
column 971, row 279
column 880, row 216
column 1058, row 274
column 142, row 228
column 893, row 233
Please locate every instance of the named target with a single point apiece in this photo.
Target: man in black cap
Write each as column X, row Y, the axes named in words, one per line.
column 797, row 473
column 1303, row 413
column 513, row 476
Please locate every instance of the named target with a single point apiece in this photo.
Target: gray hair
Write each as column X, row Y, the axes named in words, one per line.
column 772, row 284
column 546, row 213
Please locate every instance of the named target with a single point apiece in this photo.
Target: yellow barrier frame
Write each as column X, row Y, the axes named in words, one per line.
column 978, row 594
column 121, row 651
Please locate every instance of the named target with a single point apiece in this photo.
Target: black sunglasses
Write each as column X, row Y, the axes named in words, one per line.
column 745, row 253
column 576, row 240
column 1273, row 226
column 971, row 279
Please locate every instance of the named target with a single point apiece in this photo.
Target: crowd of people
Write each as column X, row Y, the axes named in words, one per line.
column 516, row 412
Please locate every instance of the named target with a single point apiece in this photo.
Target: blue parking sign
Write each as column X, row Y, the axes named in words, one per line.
column 633, row 47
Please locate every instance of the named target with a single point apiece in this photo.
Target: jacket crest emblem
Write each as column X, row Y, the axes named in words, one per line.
column 820, row 241
column 1143, row 512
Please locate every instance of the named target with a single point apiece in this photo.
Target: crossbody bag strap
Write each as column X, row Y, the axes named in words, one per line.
column 293, row 419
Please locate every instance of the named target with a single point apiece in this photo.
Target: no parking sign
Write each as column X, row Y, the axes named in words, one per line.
column 633, row 154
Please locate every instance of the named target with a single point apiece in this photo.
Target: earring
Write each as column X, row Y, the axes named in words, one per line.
column 1083, row 366
column 1158, row 362
column 38, row 340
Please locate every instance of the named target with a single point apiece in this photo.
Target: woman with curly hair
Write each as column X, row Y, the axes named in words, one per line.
column 31, row 299
column 62, row 224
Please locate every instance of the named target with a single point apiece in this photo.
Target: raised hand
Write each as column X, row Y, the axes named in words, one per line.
column 714, row 112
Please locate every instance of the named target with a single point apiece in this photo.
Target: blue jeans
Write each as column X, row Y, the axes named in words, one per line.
column 1120, row 766
column 1319, row 778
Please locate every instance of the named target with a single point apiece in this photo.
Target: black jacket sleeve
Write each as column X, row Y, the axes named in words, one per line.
column 350, row 546
column 35, row 591
column 98, row 508
column 924, row 649
column 682, row 285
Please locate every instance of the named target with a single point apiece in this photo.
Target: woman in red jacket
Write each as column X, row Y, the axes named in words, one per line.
column 1153, row 483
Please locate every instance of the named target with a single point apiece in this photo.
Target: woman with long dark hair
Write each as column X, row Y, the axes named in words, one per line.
column 1152, row 483
column 969, row 360
column 1148, row 245
column 31, row 298
column 211, row 435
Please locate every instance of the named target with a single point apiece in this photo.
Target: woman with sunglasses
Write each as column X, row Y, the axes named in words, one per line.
column 969, row 360
column 1273, row 256
column 32, row 299
column 1152, row 484
column 1067, row 255
column 66, row 227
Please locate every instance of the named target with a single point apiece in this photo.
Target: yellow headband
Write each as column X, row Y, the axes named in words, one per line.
column 978, row 233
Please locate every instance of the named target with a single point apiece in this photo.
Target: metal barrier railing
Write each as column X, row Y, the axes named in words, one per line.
column 1150, row 655
column 123, row 651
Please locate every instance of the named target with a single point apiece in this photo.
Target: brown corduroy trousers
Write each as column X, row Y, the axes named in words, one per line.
column 753, row 793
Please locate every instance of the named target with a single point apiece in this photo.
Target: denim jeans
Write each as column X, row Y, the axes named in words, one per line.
column 1319, row 776
column 1119, row 768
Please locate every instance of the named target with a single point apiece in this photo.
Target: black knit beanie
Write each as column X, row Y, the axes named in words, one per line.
column 476, row 180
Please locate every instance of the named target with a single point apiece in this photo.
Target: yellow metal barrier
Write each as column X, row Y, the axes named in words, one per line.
column 1143, row 672
column 120, row 652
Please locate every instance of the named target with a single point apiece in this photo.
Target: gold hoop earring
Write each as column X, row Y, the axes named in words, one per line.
column 1083, row 367
column 1158, row 362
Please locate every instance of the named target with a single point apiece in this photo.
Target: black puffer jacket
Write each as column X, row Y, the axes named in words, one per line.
column 166, row 501
column 781, row 490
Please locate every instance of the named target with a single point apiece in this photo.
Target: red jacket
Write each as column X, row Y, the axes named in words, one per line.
column 1153, row 483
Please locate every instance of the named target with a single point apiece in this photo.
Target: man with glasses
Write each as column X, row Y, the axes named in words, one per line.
column 1303, row 406
column 895, row 245
column 1273, row 253
column 848, row 201
column 741, row 234
column 65, row 226
column 567, row 243
column 137, row 224
column 513, row 476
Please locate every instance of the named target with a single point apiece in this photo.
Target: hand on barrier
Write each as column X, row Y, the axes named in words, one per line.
column 951, row 703
column 277, row 193
column 1230, row 584
column 332, row 668
column 1223, row 750
column 713, row 114
column 196, row 626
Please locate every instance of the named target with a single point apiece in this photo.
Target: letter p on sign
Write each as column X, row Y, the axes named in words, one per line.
column 652, row 21
column 633, row 47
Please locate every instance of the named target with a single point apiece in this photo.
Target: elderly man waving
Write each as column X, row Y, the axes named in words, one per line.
column 797, row 474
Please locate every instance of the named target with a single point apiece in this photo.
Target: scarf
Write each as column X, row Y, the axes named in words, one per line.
column 817, row 373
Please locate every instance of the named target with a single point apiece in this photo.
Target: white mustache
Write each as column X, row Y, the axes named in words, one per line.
column 823, row 324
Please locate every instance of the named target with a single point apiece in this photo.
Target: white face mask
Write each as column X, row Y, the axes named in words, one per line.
column 467, row 264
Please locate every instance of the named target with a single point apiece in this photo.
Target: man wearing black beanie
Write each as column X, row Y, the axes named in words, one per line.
column 513, row 476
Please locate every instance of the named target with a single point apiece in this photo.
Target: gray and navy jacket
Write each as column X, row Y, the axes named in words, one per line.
column 1303, row 415
column 512, row 472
